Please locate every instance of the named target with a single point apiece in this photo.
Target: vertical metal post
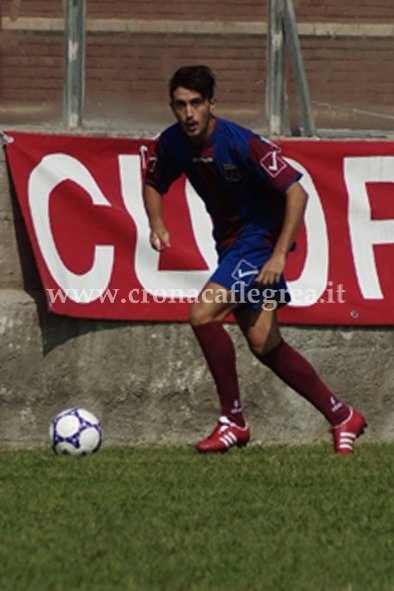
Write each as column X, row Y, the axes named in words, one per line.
column 293, row 44
column 1, row 61
column 75, row 17
column 275, row 98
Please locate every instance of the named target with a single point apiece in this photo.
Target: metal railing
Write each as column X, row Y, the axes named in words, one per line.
column 347, row 63
column 282, row 37
column 75, row 47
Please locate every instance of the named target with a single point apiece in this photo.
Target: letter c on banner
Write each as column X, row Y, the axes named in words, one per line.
column 52, row 170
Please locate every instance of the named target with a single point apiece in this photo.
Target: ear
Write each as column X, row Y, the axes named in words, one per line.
column 212, row 103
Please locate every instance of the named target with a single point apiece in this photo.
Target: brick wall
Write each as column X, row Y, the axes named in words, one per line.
column 154, row 9
column 380, row 11
column 349, row 72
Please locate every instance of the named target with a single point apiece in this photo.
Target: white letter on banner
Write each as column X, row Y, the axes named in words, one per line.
column 52, row 170
column 146, row 258
column 364, row 231
column 313, row 278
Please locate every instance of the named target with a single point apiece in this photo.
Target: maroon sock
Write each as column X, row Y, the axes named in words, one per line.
column 218, row 349
column 299, row 374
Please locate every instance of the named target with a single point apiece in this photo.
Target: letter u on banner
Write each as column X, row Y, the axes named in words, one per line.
column 146, row 258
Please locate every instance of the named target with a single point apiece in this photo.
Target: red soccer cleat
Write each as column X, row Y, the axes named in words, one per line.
column 225, row 435
column 347, row 432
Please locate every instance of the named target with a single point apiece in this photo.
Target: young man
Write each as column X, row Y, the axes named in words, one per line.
column 257, row 205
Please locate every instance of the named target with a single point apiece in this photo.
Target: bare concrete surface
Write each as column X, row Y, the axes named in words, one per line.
column 148, row 382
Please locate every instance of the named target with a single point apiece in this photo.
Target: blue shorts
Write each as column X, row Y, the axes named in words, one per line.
column 238, row 268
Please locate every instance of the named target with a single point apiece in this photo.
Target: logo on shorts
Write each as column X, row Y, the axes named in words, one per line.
column 244, row 272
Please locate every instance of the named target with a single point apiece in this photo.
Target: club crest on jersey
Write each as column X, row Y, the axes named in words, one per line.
column 272, row 164
column 231, row 173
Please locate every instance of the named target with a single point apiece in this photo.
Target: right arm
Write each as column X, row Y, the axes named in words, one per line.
column 153, row 201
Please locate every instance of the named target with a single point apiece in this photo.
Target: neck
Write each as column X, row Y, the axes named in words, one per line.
column 207, row 133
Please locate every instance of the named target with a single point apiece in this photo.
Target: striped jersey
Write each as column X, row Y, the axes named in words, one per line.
column 240, row 177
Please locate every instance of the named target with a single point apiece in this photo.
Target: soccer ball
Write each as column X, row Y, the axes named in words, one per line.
column 76, row 432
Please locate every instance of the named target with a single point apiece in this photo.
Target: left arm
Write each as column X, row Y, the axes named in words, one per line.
column 296, row 199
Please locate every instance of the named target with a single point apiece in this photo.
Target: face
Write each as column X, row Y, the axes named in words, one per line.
column 194, row 113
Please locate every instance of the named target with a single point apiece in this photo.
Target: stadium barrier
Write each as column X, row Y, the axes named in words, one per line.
column 147, row 381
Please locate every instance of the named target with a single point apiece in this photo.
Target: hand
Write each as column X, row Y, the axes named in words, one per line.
column 271, row 272
column 159, row 238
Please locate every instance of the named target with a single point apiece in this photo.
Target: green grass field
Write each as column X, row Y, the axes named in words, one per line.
column 257, row 519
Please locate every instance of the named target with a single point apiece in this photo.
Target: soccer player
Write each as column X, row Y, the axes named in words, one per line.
column 257, row 205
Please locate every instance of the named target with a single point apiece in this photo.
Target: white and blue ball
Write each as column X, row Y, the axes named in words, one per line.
column 76, row 432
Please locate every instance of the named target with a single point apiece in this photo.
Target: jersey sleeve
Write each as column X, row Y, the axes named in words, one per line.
column 161, row 170
column 265, row 160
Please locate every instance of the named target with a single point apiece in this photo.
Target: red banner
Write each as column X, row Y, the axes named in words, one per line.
column 81, row 201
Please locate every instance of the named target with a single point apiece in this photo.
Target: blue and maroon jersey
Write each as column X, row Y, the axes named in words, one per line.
column 240, row 177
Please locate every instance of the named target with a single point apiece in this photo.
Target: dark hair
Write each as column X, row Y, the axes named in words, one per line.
column 198, row 78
